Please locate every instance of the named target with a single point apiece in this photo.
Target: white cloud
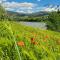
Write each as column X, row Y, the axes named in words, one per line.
column 2, row 1
column 16, row 4
column 20, row 11
column 10, row 9
column 24, row 7
column 29, row 11
column 50, row 9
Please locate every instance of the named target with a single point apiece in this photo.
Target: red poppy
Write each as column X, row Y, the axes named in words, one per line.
column 47, row 36
column 21, row 43
column 32, row 39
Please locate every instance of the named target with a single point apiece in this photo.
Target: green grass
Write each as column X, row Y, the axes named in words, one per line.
column 18, row 42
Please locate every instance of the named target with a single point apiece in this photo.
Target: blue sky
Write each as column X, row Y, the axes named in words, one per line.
column 30, row 6
column 40, row 2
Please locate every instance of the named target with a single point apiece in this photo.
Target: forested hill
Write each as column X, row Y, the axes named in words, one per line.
column 41, row 13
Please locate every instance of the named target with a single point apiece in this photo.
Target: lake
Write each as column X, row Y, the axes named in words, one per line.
column 40, row 25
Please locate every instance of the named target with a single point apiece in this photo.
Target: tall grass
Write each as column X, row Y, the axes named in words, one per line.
column 18, row 42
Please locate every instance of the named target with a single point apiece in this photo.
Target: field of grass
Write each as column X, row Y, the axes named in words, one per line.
column 18, row 42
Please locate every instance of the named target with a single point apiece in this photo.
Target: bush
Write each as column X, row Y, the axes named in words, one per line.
column 53, row 22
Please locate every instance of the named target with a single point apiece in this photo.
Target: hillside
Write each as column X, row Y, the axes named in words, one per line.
column 41, row 13
column 34, row 17
column 16, row 14
column 18, row 42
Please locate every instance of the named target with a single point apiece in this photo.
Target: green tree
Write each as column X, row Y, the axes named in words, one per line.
column 2, row 13
column 53, row 22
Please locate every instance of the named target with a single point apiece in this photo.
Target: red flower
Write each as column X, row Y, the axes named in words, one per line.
column 21, row 43
column 32, row 39
column 47, row 36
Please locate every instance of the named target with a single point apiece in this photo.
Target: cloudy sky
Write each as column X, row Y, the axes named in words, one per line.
column 30, row 6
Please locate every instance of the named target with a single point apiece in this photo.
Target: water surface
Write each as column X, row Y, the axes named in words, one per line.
column 40, row 25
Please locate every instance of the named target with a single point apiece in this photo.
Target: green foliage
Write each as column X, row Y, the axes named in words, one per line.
column 47, row 47
column 7, row 46
column 2, row 13
column 54, row 21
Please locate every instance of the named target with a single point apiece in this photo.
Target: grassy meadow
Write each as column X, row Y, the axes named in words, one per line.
column 19, row 42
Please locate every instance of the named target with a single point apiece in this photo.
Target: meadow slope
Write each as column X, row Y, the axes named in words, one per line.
column 19, row 42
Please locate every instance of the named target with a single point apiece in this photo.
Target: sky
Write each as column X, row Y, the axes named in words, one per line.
column 30, row 6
